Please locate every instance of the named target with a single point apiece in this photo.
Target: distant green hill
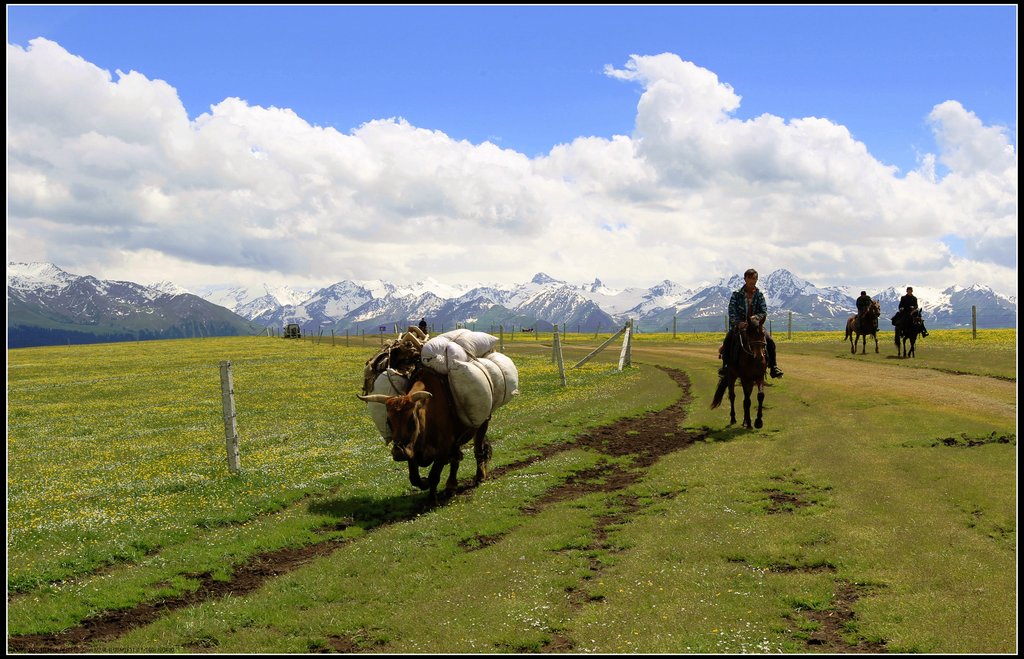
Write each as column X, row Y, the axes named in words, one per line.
column 168, row 317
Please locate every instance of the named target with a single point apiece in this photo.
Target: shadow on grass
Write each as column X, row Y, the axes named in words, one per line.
column 370, row 512
column 728, row 433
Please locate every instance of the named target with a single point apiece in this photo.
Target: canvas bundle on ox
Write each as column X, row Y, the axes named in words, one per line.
column 456, row 346
column 482, row 385
column 443, row 403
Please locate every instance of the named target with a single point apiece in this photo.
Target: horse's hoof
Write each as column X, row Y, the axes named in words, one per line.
column 758, row 423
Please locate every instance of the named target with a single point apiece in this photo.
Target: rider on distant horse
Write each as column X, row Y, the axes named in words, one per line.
column 863, row 304
column 747, row 303
column 908, row 305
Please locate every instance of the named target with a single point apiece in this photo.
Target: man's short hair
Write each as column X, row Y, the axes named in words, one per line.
column 863, row 292
column 750, row 271
column 910, row 289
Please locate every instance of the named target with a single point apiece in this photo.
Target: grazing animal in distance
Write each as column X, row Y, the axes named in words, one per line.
column 426, row 432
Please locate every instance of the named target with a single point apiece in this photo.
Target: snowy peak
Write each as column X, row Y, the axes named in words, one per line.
column 238, row 297
column 169, row 288
column 26, row 276
column 542, row 279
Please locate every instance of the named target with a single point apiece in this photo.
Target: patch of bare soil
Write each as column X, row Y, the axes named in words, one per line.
column 827, row 638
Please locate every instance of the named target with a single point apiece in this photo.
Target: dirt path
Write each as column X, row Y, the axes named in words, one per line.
column 644, row 439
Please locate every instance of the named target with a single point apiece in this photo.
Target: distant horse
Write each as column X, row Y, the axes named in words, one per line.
column 749, row 366
column 909, row 326
column 863, row 326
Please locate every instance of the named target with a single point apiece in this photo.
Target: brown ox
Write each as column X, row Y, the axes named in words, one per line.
column 427, row 432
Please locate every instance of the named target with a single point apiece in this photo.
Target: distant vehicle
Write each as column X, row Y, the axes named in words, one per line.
column 292, row 331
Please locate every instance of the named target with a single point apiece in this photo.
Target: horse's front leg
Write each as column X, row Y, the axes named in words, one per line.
column 748, row 387
column 760, row 404
column 732, row 400
column 864, row 348
column 875, row 337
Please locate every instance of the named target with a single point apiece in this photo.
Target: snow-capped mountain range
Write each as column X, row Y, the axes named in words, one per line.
column 48, row 306
column 540, row 303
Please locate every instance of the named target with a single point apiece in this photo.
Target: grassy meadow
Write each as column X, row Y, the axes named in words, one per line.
column 900, row 478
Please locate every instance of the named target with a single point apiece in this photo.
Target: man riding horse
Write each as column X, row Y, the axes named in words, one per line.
column 863, row 303
column 908, row 305
column 745, row 304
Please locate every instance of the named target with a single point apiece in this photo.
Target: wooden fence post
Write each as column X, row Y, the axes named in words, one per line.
column 556, row 346
column 789, row 332
column 625, row 356
column 974, row 321
column 227, row 389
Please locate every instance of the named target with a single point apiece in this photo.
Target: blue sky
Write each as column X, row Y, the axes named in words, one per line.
column 529, row 78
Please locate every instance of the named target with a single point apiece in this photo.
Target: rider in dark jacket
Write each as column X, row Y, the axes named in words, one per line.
column 863, row 302
column 746, row 303
column 908, row 305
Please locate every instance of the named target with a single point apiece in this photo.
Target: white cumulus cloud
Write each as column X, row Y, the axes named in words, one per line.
column 108, row 175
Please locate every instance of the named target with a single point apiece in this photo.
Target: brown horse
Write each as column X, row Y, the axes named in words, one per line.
column 863, row 326
column 749, row 367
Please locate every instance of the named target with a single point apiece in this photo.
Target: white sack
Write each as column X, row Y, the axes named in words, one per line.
column 389, row 383
column 481, row 386
column 471, row 389
column 477, row 344
column 439, row 352
column 496, row 380
column 510, row 375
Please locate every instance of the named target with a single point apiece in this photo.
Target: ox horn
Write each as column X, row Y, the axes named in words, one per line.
column 374, row 398
column 420, row 395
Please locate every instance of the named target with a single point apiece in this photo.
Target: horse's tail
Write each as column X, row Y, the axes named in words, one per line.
column 719, row 393
column 848, row 332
